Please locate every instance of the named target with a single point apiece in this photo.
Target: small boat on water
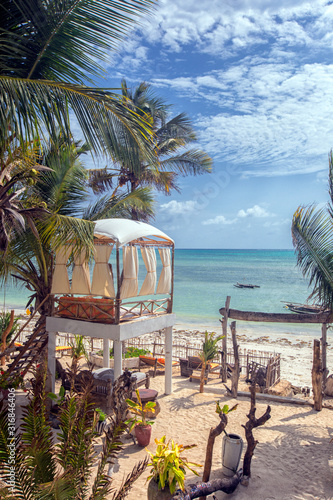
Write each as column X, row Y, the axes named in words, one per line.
column 245, row 285
column 303, row 308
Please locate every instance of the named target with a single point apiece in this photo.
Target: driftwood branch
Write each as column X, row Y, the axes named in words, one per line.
column 251, row 424
column 235, row 368
column 317, row 377
column 226, row 484
column 213, row 433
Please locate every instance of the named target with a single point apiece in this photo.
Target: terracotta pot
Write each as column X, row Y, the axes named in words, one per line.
column 142, row 434
column 154, row 493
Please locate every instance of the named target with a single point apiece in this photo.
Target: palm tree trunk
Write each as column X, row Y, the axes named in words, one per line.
column 202, row 377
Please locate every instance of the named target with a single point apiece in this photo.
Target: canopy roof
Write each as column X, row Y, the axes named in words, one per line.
column 124, row 231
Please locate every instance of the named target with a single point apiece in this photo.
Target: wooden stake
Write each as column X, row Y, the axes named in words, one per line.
column 323, row 353
column 317, row 377
column 224, row 340
column 235, row 369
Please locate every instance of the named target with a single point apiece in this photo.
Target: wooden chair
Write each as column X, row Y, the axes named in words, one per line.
column 191, row 367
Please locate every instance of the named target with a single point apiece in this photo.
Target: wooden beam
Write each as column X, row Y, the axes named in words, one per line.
column 224, row 340
column 324, row 353
column 276, row 317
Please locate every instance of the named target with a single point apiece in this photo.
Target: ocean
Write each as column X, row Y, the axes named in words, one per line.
column 204, row 278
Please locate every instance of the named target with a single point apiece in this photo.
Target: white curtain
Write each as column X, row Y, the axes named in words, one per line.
column 81, row 275
column 164, row 283
column 102, row 282
column 60, row 281
column 129, row 286
column 149, row 258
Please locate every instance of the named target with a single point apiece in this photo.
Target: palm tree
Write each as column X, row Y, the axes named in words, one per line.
column 171, row 137
column 47, row 52
column 208, row 353
column 312, row 233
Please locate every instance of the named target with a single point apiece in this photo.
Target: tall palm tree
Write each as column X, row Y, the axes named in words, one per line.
column 169, row 144
column 49, row 50
column 312, row 232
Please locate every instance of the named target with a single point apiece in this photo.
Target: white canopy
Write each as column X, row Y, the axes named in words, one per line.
column 123, row 231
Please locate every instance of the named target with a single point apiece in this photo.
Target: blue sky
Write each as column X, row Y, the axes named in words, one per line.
column 256, row 78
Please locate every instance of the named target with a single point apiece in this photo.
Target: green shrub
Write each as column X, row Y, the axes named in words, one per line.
column 131, row 352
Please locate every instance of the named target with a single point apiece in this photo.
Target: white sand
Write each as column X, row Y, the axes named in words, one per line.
column 290, row 461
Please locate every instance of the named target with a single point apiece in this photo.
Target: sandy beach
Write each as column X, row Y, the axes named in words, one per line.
column 290, row 460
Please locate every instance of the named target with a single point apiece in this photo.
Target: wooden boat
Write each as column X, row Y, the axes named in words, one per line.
column 303, row 308
column 245, row 285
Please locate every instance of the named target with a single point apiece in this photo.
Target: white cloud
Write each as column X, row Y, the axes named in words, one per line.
column 219, row 219
column 255, row 211
column 179, row 207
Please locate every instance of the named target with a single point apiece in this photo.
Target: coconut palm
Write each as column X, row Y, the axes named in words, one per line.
column 208, row 353
column 171, row 138
column 312, row 233
column 49, row 51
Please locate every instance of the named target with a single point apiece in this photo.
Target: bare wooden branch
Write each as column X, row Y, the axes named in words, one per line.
column 213, row 433
column 226, row 484
column 252, row 423
column 317, row 377
column 235, row 368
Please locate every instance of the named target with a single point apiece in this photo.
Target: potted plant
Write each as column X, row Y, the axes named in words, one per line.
column 142, row 426
column 101, row 424
column 168, row 469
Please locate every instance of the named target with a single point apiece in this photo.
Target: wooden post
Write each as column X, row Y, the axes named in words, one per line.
column 323, row 352
column 317, row 377
column 5, row 334
column 224, row 340
column 235, row 370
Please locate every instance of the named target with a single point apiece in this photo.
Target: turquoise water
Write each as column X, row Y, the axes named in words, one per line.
column 204, row 278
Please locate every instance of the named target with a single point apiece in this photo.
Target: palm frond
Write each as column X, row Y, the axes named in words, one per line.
column 312, row 233
column 63, row 39
column 33, row 106
column 192, row 162
column 120, row 206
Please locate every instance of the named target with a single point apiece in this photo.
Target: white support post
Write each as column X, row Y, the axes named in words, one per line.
column 168, row 360
column 117, row 352
column 51, row 360
column 106, row 353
